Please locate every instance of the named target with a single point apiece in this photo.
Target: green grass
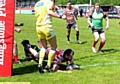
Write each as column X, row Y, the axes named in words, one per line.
column 95, row 68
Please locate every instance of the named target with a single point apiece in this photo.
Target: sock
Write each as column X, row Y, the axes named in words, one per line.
column 77, row 35
column 15, row 58
column 42, row 55
column 94, row 43
column 50, row 57
column 101, row 45
column 68, row 37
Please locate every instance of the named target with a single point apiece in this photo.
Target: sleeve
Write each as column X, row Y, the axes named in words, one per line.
column 90, row 16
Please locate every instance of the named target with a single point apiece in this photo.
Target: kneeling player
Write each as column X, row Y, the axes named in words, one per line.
column 60, row 56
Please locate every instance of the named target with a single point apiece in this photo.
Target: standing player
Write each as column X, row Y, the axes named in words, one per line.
column 43, row 12
column 70, row 22
column 97, row 27
column 15, row 49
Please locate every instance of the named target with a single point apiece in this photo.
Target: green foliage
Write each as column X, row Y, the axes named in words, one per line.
column 102, row 2
column 94, row 68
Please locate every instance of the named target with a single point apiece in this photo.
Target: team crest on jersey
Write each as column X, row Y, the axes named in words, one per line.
column 70, row 13
column 40, row 4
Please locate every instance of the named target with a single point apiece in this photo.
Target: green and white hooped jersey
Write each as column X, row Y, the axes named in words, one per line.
column 97, row 19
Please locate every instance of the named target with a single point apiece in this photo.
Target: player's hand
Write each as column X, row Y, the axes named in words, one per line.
column 18, row 30
column 92, row 26
column 107, row 27
column 63, row 16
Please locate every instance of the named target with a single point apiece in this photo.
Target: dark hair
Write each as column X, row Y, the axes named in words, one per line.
column 24, row 42
column 67, row 52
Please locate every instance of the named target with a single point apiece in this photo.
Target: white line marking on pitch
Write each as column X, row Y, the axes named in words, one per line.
column 100, row 64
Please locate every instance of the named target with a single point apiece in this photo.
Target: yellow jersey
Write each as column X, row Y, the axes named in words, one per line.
column 41, row 7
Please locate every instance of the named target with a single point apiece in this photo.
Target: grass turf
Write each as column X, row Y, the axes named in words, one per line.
column 94, row 68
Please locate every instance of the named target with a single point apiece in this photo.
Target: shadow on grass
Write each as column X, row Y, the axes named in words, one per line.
column 110, row 50
column 105, row 51
column 83, row 42
column 32, row 68
column 25, row 69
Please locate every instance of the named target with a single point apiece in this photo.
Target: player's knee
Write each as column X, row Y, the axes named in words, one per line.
column 77, row 32
column 97, row 38
column 103, row 39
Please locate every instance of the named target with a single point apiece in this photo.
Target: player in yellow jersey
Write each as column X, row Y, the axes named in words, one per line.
column 43, row 12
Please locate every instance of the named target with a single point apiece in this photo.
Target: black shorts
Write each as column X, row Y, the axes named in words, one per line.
column 68, row 26
column 97, row 30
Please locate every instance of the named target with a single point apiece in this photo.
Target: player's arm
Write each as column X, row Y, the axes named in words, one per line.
column 19, row 24
column 50, row 10
column 76, row 17
column 75, row 14
column 56, row 69
column 51, row 13
column 90, row 21
column 107, row 21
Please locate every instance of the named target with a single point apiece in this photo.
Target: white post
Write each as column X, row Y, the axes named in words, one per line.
column 90, row 2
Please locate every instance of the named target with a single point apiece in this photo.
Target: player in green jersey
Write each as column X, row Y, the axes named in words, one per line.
column 95, row 21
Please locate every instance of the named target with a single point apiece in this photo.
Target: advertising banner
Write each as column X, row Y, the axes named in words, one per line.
column 6, row 36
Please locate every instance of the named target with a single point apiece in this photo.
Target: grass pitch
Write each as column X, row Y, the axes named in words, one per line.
column 94, row 68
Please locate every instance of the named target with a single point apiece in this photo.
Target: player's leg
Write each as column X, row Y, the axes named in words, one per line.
column 43, row 50
column 15, row 53
column 96, row 35
column 42, row 55
column 75, row 26
column 68, row 33
column 51, row 54
column 51, row 38
column 42, row 37
column 103, row 39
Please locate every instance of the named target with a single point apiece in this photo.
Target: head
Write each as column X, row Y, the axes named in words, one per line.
column 97, row 7
column 68, row 54
column 69, row 4
column 25, row 42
